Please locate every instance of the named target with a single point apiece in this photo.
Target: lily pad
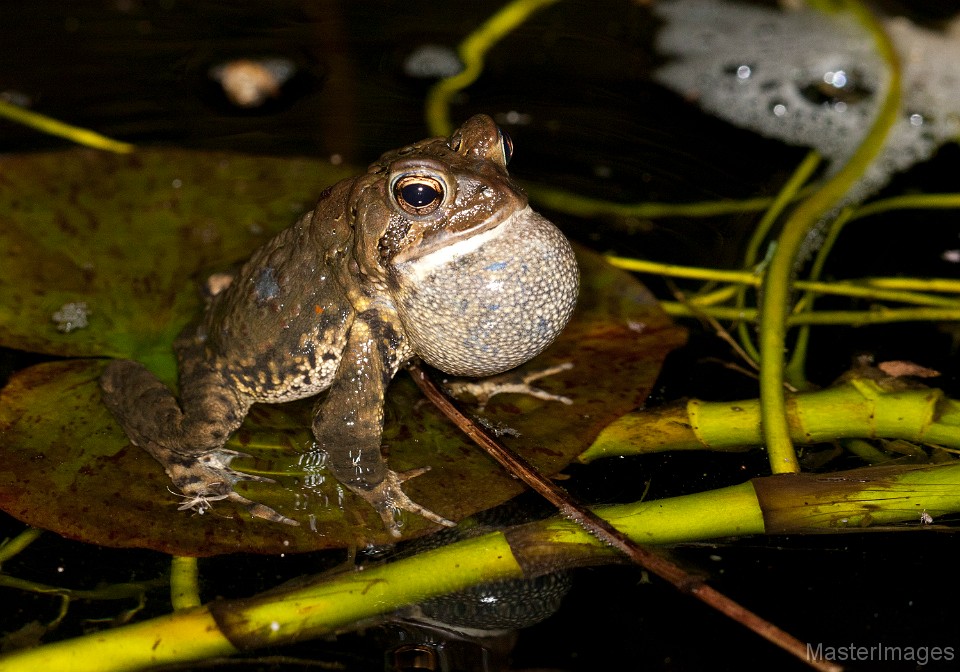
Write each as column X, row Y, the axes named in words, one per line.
column 131, row 237
column 136, row 259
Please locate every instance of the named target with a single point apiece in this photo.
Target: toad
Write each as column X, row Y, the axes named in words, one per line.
column 433, row 253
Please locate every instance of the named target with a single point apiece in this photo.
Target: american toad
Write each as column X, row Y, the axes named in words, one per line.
column 434, row 252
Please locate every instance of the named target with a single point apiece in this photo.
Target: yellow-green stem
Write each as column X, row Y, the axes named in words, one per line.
column 796, row 370
column 184, row 583
column 946, row 285
column 909, row 201
column 880, row 289
column 12, row 547
column 472, row 51
column 777, row 288
column 81, row 136
column 861, row 409
column 834, row 317
column 787, row 194
column 585, row 206
column 326, row 606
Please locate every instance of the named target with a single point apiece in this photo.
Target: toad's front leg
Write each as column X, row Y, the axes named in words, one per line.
column 348, row 424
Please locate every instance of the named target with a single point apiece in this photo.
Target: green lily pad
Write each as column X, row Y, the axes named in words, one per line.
column 136, row 258
column 131, row 237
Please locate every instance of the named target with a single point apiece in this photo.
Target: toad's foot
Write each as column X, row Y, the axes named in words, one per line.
column 512, row 382
column 208, row 478
column 388, row 498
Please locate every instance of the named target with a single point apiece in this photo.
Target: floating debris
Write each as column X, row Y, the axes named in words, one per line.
column 813, row 79
column 17, row 98
column 252, row 82
column 432, row 61
column 71, row 316
column 899, row 368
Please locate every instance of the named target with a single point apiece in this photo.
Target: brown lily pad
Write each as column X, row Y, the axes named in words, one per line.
column 69, row 468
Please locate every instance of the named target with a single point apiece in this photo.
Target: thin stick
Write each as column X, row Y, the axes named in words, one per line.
column 605, row 532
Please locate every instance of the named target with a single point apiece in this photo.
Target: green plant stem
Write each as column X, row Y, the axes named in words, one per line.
column 184, row 583
column 857, row 290
column 910, row 201
column 585, row 206
column 865, row 450
column 858, row 409
column 715, row 297
column 786, row 194
column 225, row 627
column 773, row 504
column 777, row 287
column 677, row 271
column 916, row 284
column 601, row 530
column 857, row 499
column 50, row 126
column 830, row 317
column 11, row 547
column 784, row 197
column 877, row 289
column 795, row 369
column 472, row 51
column 116, row 591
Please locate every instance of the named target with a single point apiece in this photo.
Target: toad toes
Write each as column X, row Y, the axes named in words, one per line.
column 434, row 252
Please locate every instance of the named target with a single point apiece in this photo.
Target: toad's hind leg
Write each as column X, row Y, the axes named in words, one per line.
column 188, row 444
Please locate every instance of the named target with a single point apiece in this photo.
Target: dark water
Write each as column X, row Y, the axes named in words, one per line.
column 593, row 123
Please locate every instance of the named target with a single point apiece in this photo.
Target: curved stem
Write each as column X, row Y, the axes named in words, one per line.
column 909, row 201
column 795, row 370
column 777, row 287
column 472, row 51
column 787, row 194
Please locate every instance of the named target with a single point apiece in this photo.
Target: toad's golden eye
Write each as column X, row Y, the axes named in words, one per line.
column 418, row 194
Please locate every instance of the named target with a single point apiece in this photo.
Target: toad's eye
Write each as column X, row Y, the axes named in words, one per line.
column 418, row 194
column 506, row 145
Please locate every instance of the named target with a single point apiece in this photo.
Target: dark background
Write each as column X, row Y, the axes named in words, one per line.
column 596, row 125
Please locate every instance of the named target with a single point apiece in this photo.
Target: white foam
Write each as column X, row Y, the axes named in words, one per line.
column 771, row 71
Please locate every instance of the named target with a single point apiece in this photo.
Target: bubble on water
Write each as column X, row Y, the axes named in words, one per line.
column 812, row 79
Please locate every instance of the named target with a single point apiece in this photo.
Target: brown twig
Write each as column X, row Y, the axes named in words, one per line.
column 608, row 534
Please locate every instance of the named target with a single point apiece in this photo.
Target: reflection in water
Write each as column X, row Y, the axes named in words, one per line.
column 474, row 629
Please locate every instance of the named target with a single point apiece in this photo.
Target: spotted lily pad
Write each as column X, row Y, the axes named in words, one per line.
column 132, row 237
